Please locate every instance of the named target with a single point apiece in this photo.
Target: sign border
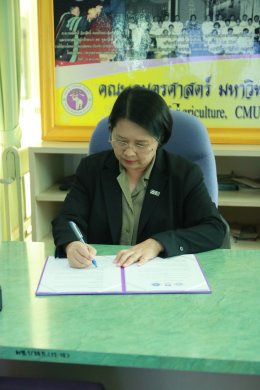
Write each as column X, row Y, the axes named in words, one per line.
column 51, row 131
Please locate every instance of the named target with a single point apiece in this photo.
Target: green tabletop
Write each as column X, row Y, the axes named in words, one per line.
column 218, row 332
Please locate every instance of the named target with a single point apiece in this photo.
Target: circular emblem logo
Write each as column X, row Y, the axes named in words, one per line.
column 77, row 99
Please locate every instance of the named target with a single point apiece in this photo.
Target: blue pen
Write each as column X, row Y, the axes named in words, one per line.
column 79, row 236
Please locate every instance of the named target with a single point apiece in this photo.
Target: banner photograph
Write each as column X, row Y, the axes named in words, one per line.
column 202, row 57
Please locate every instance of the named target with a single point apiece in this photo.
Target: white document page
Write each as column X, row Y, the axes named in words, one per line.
column 59, row 278
column 173, row 274
column 180, row 274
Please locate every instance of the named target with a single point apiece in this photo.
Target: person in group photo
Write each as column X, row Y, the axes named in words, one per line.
column 71, row 28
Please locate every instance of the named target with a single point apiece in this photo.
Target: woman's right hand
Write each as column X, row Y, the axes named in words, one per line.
column 80, row 255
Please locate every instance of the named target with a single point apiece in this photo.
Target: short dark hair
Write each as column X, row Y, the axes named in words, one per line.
column 146, row 108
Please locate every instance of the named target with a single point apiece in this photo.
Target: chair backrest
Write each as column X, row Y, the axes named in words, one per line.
column 189, row 139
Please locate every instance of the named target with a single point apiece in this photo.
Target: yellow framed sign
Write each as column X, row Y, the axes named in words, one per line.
column 89, row 54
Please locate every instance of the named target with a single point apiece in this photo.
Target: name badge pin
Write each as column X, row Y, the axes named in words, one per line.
column 154, row 192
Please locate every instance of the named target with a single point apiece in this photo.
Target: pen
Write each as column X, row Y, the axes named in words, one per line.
column 79, row 236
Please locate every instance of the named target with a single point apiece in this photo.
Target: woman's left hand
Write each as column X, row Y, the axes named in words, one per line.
column 140, row 253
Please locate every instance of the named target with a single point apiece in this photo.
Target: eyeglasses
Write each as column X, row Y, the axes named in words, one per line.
column 137, row 147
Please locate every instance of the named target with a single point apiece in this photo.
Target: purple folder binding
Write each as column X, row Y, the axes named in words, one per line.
column 123, row 280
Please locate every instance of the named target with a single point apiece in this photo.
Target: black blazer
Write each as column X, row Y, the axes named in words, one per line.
column 177, row 209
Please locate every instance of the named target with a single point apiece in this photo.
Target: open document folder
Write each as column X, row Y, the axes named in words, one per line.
column 180, row 274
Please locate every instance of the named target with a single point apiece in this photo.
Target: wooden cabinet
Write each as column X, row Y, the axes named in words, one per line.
column 51, row 161
column 243, row 206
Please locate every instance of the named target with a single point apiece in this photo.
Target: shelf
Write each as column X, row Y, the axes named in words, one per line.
column 226, row 198
column 48, row 238
column 244, row 198
column 236, row 150
column 52, row 194
column 61, row 148
column 244, row 244
column 82, row 148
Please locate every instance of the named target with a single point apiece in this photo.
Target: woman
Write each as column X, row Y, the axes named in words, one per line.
column 138, row 194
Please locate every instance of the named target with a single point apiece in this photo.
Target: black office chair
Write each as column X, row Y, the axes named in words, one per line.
column 189, row 139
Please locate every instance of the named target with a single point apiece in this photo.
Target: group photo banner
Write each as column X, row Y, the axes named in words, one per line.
column 202, row 57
